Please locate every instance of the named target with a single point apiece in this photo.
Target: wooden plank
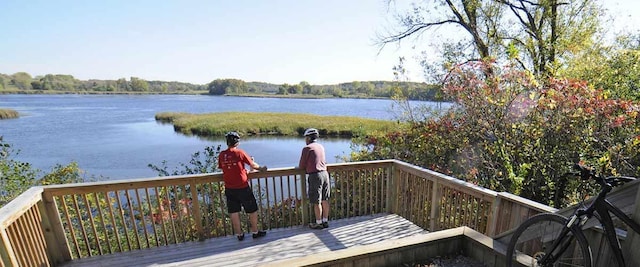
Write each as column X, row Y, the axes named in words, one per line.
column 279, row 244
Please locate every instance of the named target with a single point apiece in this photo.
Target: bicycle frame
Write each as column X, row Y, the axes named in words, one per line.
column 604, row 208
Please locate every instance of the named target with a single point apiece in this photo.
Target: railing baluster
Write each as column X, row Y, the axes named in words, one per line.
column 92, row 222
column 150, row 207
column 160, row 215
column 104, row 226
column 33, row 216
column 167, row 201
column 116, row 233
column 123, row 221
column 142, row 220
column 14, row 234
column 282, row 210
column 81, row 223
column 134, row 226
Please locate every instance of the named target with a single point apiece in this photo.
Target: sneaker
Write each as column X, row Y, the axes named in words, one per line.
column 259, row 234
column 240, row 237
column 316, row 226
column 325, row 224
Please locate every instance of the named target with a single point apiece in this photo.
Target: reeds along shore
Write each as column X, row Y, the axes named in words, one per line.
column 285, row 124
column 8, row 114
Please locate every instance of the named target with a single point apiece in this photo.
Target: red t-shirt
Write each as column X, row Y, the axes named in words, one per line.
column 231, row 162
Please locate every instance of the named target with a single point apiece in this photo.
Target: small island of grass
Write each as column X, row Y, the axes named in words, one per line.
column 284, row 124
column 8, row 114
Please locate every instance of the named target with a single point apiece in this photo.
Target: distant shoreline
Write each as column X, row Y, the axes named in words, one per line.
column 204, row 93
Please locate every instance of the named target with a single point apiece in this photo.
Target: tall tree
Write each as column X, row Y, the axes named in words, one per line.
column 538, row 34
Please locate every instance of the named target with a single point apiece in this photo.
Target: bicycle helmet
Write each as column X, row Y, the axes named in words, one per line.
column 311, row 133
column 232, row 138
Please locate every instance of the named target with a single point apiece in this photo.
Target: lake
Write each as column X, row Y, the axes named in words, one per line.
column 116, row 136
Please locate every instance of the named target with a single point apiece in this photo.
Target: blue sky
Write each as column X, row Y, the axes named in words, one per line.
column 276, row 41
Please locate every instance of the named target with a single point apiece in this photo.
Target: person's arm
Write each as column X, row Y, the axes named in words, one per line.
column 303, row 158
column 254, row 165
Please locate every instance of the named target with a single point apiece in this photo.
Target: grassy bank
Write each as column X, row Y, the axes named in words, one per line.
column 8, row 114
column 255, row 123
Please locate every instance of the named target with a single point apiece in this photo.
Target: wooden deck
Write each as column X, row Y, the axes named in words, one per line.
column 279, row 244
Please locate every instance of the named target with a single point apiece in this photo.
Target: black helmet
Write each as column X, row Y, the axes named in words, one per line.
column 232, row 138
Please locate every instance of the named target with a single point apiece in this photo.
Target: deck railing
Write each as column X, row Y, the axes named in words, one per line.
column 48, row 225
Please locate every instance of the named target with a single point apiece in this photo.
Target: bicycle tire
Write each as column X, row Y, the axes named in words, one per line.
column 539, row 231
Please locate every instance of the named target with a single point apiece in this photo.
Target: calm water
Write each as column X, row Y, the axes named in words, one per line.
column 117, row 136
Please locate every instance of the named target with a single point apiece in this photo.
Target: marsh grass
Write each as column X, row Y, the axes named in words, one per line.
column 8, row 114
column 257, row 123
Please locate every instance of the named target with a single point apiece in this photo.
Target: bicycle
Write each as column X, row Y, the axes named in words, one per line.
column 550, row 239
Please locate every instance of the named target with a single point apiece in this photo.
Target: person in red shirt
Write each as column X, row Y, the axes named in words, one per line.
column 314, row 163
column 237, row 189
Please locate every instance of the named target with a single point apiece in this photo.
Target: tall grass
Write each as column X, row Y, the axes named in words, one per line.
column 256, row 123
column 8, row 114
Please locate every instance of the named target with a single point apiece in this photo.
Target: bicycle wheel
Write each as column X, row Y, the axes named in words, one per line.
column 534, row 239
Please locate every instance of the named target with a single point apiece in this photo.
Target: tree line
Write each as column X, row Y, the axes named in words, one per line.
column 52, row 83
column 366, row 89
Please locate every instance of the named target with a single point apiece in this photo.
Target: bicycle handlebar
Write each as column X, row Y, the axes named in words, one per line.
column 587, row 173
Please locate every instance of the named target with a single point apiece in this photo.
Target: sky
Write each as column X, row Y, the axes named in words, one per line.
column 274, row 41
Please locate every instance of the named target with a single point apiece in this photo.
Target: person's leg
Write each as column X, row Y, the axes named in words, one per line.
column 251, row 207
column 317, row 208
column 253, row 218
column 315, row 193
column 325, row 210
column 235, row 222
column 233, row 208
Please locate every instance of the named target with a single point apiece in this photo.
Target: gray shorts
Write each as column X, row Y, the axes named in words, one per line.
column 318, row 187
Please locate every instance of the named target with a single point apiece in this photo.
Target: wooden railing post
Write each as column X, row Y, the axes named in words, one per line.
column 305, row 202
column 392, row 189
column 434, row 217
column 493, row 220
column 58, row 249
column 197, row 214
column 632, row 243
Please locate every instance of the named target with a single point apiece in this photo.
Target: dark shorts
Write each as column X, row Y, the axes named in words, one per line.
column 238, row 198
column 318, row 187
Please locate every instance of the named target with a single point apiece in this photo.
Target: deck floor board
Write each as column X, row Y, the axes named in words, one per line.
column 279, row 244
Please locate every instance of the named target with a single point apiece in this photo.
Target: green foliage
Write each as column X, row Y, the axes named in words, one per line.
column 15, row 176
column 139, row 85
column 227, row 86
column 508, row 133
column 201, row 162
column 217, row 124
column 615, row 69
column 21, row 80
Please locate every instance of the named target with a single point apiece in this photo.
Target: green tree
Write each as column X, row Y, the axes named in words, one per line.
column 21, row 80
column 227, row 86
column 538, row 35
column 139, row 85
column 613, row 68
